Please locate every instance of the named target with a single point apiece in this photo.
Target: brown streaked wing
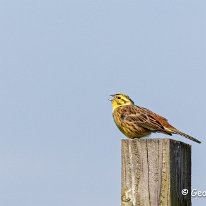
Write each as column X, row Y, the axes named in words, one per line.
column 149, row 111
column 145, row 118
column 163, row 121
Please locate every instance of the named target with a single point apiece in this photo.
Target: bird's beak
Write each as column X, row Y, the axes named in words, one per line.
column 110, row 99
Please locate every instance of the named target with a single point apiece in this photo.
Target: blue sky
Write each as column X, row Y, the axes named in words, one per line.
column 60, row 61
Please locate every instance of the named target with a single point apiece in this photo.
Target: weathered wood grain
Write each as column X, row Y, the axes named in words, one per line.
column 154, row 172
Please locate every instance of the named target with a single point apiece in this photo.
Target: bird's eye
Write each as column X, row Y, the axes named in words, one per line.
column 118, row 97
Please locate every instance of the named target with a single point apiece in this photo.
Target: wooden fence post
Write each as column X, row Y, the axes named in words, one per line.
column 154, row 172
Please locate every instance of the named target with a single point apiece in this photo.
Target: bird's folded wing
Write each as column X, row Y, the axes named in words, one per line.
column 157, row 115
column 145, row 120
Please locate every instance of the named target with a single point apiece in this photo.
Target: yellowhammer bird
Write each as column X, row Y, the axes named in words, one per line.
column 135, row 121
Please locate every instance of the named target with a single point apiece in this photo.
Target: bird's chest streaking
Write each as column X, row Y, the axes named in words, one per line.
column 129, row 128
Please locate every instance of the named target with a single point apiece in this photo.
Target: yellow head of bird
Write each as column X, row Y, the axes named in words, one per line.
column 120, row 100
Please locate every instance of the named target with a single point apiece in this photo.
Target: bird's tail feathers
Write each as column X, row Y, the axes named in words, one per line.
column 175, row 131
